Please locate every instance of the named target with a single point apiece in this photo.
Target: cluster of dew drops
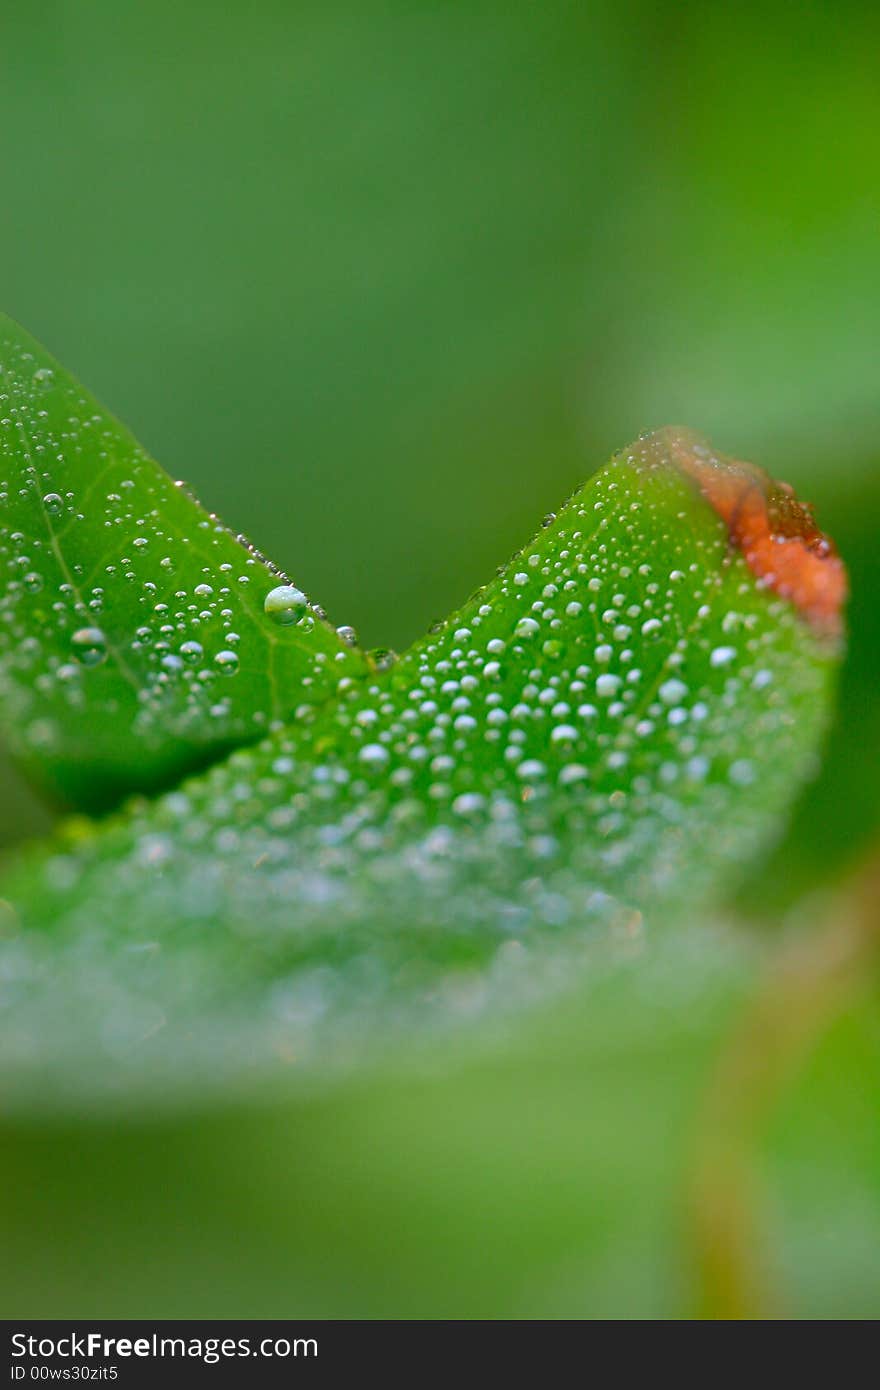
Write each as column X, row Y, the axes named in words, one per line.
column 550, row 757
column 566, row 736
column 190, row 638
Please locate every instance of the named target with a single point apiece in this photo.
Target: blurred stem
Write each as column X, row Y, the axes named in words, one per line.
column 807, row 985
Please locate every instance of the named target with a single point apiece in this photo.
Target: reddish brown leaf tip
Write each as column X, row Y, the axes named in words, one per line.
column 775, row 532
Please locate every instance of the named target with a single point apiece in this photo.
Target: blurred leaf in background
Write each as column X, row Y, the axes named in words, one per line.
column 381, row 280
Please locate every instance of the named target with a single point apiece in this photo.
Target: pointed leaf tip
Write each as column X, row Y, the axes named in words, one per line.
column 776, row 533
column 139, row 638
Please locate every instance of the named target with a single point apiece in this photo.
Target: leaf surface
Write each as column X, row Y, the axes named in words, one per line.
column 591, row 746
column 139, row 638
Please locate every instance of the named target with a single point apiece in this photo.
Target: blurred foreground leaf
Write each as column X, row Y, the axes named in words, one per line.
column 548, row 1173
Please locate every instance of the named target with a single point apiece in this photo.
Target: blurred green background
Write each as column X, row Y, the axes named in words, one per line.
column 384, row 281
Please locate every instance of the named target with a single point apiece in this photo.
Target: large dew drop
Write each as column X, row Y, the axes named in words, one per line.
column 285, row 604
column 89, row 646
column 226, row 663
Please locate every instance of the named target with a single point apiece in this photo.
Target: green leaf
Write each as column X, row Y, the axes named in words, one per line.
column 592, row 745
column 539, row 1175
column 135, row 645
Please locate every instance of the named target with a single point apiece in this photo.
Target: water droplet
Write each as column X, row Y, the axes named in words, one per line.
column 54, row 503
column 571, row 773
column 89, row 646
column 722, row 656
column 227, row 663
column 374, row 755
column 191, row 651
column 383, row 658
column 531, row 770
column 285, row 604
column 347, row 635
column 672, row 691
column 742, row 773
